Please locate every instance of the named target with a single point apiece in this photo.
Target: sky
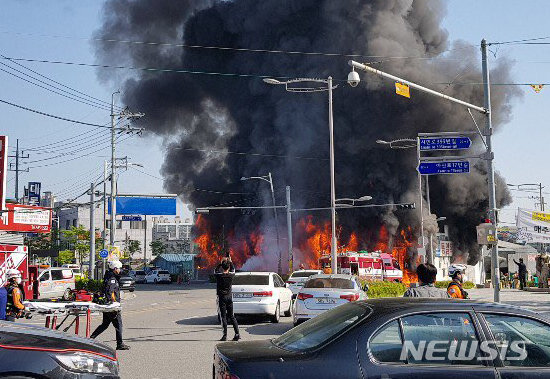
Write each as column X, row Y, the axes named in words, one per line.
column 61, row 30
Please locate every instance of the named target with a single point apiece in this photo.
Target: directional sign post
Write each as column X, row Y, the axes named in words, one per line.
column 441, row 143
column 104, row 253
column 435, row 168
column 131, row 218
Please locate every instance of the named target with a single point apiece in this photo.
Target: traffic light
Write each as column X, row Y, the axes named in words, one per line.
column 407, row 206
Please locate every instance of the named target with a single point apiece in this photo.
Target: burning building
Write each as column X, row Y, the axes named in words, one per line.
column 203, row 93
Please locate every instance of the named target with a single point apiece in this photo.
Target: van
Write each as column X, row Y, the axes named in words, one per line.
column 56, row 282
column 75, row 268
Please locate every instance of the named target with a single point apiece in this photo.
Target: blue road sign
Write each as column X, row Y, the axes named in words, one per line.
column 451, row 143
column 104, row 253
column 131, row 218
column 434, row 168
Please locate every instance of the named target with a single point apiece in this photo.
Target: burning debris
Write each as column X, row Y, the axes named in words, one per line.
column 218, row 128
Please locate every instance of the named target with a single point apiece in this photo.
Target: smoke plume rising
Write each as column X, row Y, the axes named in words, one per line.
column 209, row 121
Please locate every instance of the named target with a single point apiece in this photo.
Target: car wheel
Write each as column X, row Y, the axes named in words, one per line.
column 67, row 295
column 132, row 290
column 289, row 312
column 277, row 316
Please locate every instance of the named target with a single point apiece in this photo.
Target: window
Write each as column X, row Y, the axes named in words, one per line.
column 386, row 345
column 530, row 336
column 74, row 222
column 119, row 224
column 329, row 283
column 303, row 274
column 277, row 281
column 452, row 338
column 45, row 276
column 135, row 224
column 245, row 280
column 323, row 328
column 57, row 274
column 67, row 224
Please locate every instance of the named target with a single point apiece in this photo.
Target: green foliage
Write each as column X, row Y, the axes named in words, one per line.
column 445, row 283
column 65, row 257
column 384, row 289
column 89, row 285
column 78, row 239
column 157, row 247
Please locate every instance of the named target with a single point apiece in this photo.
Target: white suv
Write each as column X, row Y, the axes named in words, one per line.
column 158, row 276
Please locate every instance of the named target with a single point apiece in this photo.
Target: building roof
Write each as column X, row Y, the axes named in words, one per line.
column 513, row 247
column 176, row 257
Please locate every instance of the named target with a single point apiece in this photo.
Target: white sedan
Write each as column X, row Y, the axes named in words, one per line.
column 326, row 291
column 158, row 276
column 256, row 293
column 296, row 280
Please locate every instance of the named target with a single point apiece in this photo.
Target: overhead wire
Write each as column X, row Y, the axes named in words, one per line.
column 252, row 154
column 95, row 99
column 98, row 141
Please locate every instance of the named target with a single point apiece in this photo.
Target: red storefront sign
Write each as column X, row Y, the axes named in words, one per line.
column 26, row 218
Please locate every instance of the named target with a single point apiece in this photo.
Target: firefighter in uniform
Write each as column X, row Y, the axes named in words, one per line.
column 112, row 294
column 454, row 289
column 15, row 296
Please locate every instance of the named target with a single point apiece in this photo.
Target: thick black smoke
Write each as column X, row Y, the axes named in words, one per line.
column 204, row 117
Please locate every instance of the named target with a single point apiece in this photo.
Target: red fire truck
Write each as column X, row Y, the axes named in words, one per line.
column 374, row 266
column 16, row 256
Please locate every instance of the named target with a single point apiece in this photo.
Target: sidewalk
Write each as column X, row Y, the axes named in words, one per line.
column 536, row 301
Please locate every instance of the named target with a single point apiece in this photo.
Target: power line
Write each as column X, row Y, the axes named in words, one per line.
column 53, row 116
column 67, row 94
column 252, row 154
column 65, row 142
column 106, row 103
column 102, row 139
column 522, row 41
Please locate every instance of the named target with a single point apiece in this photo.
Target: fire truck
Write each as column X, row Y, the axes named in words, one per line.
column 374, row 266
column 16, row 257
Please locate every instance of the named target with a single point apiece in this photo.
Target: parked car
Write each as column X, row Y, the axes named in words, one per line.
column 36, row 352
column 139, row 276
column 297, row 279
column 390, row 338
column 127, row 282
column 158, row 276
column 326, row 291
column 261, row 293
column 56, row 282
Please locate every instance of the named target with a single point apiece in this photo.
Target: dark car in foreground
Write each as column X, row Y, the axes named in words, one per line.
column 127, row 282
column 36, row 352
column 399, row 338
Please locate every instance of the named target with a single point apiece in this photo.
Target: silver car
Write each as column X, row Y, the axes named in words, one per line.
column 326, row 291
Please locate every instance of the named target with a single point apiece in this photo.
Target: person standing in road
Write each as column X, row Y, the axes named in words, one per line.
column 111, row 287
column 454, row 289
column 15, row 296
column 426, row 288
column 3, row 302
column 522, row 273
column 224, row 281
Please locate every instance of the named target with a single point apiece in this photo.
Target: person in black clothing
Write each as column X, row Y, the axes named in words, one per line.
column 522, row 273
column 224, row 279
column 112, row 294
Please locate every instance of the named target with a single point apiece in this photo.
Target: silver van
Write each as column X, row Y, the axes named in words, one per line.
column 56, row 282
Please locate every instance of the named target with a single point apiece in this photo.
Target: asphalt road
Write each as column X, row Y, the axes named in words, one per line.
column 172, row 330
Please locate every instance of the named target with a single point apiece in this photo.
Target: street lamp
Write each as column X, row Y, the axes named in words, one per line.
column 269, row 179
column 327, row 86
column 540, row 187
column 360, row 199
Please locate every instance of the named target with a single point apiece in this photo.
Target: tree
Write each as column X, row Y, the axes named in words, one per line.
column 132, row 247
column 157, row 247
column 65, row 257
column 78, row 239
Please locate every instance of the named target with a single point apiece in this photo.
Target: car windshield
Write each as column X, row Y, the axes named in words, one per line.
column 342, row 283
column 323, row 328
column 253, row 280
column 303, row 274
column 164, row 272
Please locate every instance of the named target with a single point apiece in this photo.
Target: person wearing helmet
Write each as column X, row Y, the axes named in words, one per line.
column 454, row 289
column 15, row 296
column 111, row 287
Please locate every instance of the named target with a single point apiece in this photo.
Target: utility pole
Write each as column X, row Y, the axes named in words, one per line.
column 420, row 194
column 495, row 273
column 541, row 198
column 17, row 156
column 333, row 247
column 289, row 228
column 92, row 232
column 279, row 265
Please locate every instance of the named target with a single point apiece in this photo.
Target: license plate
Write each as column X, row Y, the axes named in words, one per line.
column 326, row 300
column 241, row 295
